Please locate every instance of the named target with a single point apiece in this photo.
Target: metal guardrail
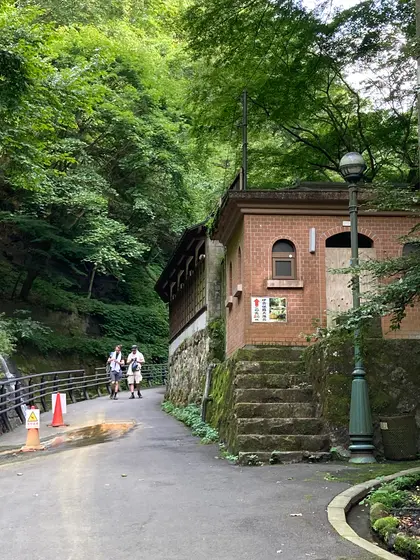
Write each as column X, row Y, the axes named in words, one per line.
column 32, row 390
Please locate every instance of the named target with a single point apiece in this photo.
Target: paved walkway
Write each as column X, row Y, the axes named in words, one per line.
column 177, row 502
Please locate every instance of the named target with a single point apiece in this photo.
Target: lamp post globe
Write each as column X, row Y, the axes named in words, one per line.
column 352, row 166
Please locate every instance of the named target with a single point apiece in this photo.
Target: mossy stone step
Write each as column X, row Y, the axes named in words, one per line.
column 280, row 426
column 273, row 395
column 247, row 458
column 269, row 353
column 278, row 367
column 274, row 410
column 253, row 443
column 271, row 381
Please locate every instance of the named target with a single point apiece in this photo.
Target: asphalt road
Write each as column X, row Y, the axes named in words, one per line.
column 176, row 502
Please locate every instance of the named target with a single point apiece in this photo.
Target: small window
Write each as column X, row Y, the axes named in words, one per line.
column 284, row 260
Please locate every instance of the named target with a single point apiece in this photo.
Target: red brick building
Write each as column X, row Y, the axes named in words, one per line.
column 280, row 246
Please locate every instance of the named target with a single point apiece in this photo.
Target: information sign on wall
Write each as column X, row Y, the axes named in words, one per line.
column 268, row 309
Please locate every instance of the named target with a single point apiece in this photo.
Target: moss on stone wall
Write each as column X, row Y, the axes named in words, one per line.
column 217, row 334
column 392, row 368
column 220, row 412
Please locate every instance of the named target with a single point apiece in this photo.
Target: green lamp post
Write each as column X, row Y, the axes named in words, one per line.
column 352, row 166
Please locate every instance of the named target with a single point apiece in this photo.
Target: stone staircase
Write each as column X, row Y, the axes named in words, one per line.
column 274, row 408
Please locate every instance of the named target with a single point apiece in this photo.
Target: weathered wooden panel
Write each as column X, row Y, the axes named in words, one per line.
column 339, row 296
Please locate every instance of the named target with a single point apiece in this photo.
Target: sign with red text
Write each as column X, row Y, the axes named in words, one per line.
column 32, row 418
column 268, row 309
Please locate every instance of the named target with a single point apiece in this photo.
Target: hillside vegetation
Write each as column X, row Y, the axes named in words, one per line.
column 120, row 128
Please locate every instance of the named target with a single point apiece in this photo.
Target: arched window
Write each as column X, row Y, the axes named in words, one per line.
column 239, row 266
column 230, row 279
column 284, row 260
column 343, row 240
column 410, row 248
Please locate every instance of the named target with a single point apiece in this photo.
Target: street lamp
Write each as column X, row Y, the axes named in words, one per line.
column 352, row 166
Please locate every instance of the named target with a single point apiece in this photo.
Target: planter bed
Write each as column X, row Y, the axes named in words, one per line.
column 395, row 515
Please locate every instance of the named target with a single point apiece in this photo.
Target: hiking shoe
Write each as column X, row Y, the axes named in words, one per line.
column 132, row 396
column 111, row 396
column 115, row 397
column 139, row 395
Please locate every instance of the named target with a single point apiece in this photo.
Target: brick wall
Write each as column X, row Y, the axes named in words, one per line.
column 256, row 235
column 235, row 317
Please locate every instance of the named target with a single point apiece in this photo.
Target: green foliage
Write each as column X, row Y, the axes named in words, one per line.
column 305, row 108
column 396, row 494
column 386, row 526
column 19, row 328
column 191, row 416
column 408, row 547
column 224, row 452
column 98, row 167
column 389, row 496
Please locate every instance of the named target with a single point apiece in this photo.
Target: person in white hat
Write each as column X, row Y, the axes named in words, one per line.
column 134, row 360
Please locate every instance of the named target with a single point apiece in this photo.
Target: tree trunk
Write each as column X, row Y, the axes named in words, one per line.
column 418, row 81
column 92, row 278
column 27, row 284
column 16, row 286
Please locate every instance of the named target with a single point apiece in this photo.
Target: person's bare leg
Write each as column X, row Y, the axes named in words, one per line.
column 116, row 389
column 132, row 390
column 138, row 390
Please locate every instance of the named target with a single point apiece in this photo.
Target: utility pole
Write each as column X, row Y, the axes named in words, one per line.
column 245, row 137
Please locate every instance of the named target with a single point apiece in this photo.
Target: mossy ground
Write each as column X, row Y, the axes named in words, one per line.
column 356, row 474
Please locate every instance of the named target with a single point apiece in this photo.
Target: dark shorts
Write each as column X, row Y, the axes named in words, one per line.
column 115, row 375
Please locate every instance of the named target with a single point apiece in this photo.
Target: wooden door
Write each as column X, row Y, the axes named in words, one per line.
column 339, row 295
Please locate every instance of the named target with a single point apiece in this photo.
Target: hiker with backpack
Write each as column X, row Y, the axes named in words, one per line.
column 114, row 363
column 134, row 377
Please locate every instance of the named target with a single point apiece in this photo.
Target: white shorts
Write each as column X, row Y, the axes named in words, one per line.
column 134, row 378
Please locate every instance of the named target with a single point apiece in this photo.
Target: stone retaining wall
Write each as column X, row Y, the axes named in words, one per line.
column 187, row 369
column 392, row 372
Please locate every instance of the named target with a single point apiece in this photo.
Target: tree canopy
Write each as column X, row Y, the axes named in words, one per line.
column 120, row 128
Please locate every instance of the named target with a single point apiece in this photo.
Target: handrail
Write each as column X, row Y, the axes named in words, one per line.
column 31, row 390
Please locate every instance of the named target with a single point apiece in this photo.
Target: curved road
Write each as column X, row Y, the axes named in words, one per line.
column 177, row 502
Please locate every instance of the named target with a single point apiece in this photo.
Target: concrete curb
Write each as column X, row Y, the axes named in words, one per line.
column 341, row 504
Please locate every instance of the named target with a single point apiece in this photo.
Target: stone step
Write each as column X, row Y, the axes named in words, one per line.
column 270, row 353
column 273, row 395
column 272, row 381
column 279, row 367
column 274, row 410
column 280, row 426
column 279, row 457
column 253, row 442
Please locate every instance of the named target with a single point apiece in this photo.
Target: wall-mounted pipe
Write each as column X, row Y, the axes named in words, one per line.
column 206, row 398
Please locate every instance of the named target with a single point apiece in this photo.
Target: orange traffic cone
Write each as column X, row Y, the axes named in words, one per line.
column 57, row 420
column 32, row 440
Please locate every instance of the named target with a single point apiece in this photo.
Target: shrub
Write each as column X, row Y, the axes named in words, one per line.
column 386, row 526
column 389, row 496
column 407, row 546
column 191, row 416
